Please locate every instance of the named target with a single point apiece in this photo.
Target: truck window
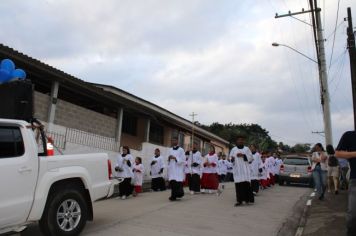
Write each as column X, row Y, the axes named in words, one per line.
column 11, row 143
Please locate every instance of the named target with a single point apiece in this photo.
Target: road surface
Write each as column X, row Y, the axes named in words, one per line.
column 151, row 214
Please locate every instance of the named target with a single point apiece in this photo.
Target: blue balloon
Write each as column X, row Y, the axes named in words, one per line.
column 18, row 74
column 8, row 65
column 4, row 76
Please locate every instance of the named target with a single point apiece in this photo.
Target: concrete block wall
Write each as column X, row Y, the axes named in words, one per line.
column 73, row 116
column 76, row 117
column 41, row 105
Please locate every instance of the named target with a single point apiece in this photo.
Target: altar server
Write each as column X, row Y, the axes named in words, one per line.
column 240, row 157
column 176, row 162
column 156, row 170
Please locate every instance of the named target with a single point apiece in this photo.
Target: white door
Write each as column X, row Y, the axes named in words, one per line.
column 18, row 172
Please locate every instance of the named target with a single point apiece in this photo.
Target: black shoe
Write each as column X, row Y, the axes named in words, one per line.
column 321, row 197
column 172, row 199
column 336, row 192
column 237, row 204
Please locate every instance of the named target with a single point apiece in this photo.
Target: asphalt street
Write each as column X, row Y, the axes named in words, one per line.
column 205, row 214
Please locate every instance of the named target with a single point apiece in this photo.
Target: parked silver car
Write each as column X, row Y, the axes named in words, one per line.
column 296, row 169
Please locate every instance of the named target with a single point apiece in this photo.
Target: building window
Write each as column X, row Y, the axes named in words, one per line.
column 156, row 133
column 129, row 124
column 11, row 143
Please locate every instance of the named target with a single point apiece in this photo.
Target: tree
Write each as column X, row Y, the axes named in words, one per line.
column 301, row 148
column 254, row 133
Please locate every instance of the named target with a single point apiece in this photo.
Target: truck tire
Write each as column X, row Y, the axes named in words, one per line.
column 66, row 213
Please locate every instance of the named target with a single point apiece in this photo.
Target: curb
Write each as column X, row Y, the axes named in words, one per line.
column 295, row 223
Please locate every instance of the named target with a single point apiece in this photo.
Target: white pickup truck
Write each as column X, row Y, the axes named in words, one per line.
column 57, row 191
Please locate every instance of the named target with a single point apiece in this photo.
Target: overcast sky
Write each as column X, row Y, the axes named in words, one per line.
column 211, row 57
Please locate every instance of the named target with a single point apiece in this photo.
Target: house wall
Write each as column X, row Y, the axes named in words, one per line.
column 41, row 105
column 135, row 141
column 76, row 117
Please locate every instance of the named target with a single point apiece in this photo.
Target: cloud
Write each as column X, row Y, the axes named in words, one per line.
column 214, row 58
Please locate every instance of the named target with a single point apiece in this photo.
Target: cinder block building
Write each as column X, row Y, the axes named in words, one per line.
column 84, row 117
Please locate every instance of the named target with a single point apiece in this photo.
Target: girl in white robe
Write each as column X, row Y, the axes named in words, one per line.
column 138, row 171
column 209, row 180
column 263, row 175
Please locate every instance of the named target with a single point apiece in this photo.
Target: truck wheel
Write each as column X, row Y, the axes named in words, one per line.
column 65, row 214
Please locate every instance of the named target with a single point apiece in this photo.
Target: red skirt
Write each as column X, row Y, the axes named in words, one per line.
column 209, row 181
column 138, row 189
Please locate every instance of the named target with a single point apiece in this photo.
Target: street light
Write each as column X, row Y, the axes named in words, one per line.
column 278, row 44
column 324, row 91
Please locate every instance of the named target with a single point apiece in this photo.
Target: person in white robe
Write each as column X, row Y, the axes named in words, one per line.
column 255, row 167
column 156, row 171
column 229, row 173
column 187, row 170
column 241, row 156
column 138, row 171
column 210, row 179
column 278, row 163
column 195, row 162
column 175, row 170
column 222, row 167
column 264, row 175
column 123, row 169
column 271, row 168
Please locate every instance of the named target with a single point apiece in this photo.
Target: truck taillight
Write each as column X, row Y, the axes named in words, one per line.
column 281, row 168
column 309, row 169
column 109, row 169
column 50, row 150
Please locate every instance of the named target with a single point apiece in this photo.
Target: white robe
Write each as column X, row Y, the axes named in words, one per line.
column 255, row 165
column 187, row 166
column 122, row 163
column 222, row 167
column 156, row 168
column 138, row 176
column 195, row 158
column 241, row 168
column 278, row 163
column 229, row 166
column 175, row 168
column 264, row 174
column 270, row 162
column 212, row 159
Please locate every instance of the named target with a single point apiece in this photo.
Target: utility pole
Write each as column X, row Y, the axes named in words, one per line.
column 323, row 78
column 324, row 88
column 352, row 53
column 193, row 115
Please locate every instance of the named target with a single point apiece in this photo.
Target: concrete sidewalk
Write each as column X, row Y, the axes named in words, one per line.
column 327, row 217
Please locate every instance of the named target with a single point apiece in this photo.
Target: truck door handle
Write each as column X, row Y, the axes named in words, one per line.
column 24, row 169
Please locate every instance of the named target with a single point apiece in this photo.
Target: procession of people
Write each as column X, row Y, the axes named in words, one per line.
column 249, row 169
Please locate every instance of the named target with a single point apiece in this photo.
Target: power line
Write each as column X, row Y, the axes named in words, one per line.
column 334, row 31
column 337, row 18
column 343, row 57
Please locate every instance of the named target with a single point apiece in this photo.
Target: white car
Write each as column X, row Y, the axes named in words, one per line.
column 57, row 191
